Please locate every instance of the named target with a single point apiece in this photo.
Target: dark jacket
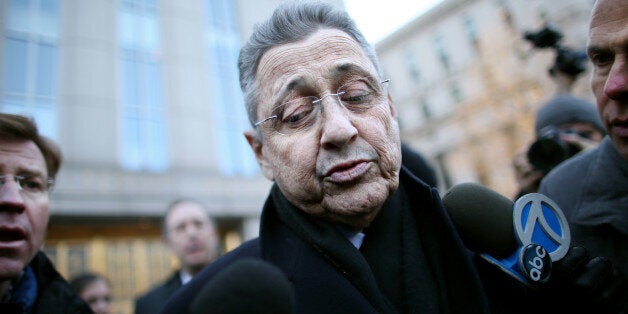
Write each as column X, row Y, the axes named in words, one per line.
column 329, row 275
column 154, row 300
column 54, row 293
column 592, row 191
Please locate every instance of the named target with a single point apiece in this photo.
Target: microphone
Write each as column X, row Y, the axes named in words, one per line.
column 522, row 238
column 246, row 286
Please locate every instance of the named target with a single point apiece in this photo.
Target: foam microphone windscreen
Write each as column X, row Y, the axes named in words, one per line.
column 246, row 286
column 483, row 218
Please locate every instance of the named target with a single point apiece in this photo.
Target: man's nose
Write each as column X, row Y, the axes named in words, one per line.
column 337, row 124
column 11, row 196
column 616, row 87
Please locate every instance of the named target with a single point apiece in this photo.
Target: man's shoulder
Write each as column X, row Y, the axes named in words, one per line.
column 154, row 300
column 185, row 296
column 55, row 294
column 161, row 290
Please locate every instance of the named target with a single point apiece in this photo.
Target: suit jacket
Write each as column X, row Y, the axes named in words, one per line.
column 54, row 293
column 154, row 300
column 324, row 284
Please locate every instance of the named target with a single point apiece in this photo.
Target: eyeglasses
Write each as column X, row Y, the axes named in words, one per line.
column 30, row 184
column 297, row 114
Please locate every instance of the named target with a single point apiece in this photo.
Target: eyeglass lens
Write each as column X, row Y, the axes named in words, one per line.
column 31, row 184
column 356, row 96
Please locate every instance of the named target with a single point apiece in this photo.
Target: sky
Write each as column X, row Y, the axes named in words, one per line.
column 376, row 19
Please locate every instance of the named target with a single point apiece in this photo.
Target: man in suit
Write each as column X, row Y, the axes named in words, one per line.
column 29, row 282
column 190, row 234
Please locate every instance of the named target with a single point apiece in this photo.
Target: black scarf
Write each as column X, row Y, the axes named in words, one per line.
column 401, row 266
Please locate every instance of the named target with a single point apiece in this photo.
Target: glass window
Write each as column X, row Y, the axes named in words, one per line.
column 469, row 26
column 19, row 18
column 425, row 108
column 143, row 122
column 456, row 93
column 14, row 65
column 412, row 66
column 29, row 63
column 229, row 116
column 46, row 78
column 48, row 21
column 443, row 56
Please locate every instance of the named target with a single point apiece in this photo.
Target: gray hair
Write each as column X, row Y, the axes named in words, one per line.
column 291, row 22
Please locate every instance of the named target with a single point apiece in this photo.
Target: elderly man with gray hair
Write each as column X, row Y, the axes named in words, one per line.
column 348, row 225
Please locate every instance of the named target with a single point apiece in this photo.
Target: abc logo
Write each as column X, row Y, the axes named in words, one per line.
column 536, row 263
column 543, row 232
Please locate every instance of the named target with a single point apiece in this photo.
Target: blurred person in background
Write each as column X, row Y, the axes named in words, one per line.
column 95, row 290
column 592, row 188
column 565, row 126
column 29, row 282
column 190, row 234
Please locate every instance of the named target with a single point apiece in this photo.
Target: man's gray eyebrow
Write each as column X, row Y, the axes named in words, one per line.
column 349, row 67
column 293, row 83
column 297, row 81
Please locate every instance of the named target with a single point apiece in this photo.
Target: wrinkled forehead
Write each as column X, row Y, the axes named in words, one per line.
column 322, row 58
column 610, row 14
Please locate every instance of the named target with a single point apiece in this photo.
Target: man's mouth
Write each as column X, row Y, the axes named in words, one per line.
column 10, row 237
column 620, row 127
column 348, row 171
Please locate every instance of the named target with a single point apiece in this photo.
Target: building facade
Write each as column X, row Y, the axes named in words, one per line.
column 143, row 98
column 467, row 84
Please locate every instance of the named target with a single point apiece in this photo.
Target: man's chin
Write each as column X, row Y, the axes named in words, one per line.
column 621, row 144
column 10, row 268
column 353, row 219
column 197, row 262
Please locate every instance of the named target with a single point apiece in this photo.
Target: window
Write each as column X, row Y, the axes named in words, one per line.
column 413, row 67
column 29, row 63
column 442, row 54
column 142, row 116
column 229, row 116
column 425, row 108
column 469, row 26
column 456, row 93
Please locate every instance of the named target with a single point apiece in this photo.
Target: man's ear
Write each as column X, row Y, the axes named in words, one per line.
column 257, row 146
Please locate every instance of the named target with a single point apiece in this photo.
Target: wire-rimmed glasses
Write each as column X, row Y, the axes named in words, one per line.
column 33, row 185
column 293, row 115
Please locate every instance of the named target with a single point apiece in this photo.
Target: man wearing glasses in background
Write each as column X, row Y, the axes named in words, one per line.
column 28, row 281
column 351, row 228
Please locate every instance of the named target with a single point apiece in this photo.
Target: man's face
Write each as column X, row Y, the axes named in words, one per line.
column 344, row 164
column 23, row 216
column 191, row 236
column 608, row 51
column 98, row 296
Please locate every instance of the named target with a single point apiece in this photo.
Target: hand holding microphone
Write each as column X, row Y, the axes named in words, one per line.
column 530, row 241
column 583, row 277
column 522, row 239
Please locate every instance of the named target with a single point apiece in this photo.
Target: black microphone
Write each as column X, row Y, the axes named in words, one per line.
column 513, row 236
column 522, row 238
column 247, row 286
